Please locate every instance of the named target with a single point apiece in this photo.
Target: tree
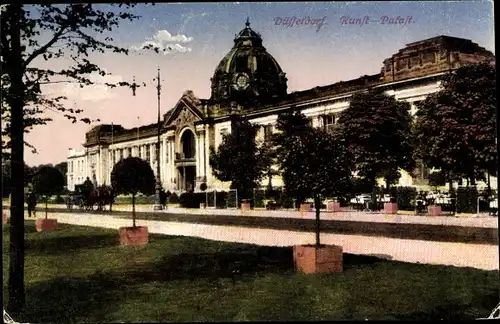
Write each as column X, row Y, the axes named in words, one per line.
column 63, row 168
column 268, row 158
column 455, row 128
column 317, row 165
column 131, row 176
column 237, row 159
column 377, row 131
column 71, row 31
column 48, row 181
column 289, row 125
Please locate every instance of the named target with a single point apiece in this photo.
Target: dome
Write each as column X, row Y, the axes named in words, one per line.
column 248, row 73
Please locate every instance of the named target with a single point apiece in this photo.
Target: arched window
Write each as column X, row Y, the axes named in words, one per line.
column 188, row 144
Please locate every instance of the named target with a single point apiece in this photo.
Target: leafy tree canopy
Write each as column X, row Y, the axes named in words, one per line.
column 315, row 165
column 237, row 158
column 63, row 168
column 377, row 131
column 54, row 35
column 455, row 128
column 133, row 175
column 48, row 181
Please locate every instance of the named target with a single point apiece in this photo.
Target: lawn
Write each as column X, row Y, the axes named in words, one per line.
column 80, row 274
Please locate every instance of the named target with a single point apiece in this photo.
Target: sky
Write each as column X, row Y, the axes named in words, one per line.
column 201, row 34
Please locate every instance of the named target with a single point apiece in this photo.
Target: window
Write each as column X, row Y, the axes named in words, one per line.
column 157, row 151
column 121, row 154
column 310, row 121
column 148, row 152
column 268, row 132
column 328, row 120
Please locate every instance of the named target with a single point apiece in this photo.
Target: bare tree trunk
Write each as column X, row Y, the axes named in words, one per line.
column 17, row 297
column 317, row 204
column 46, row 203
column 133, row 209
column 374, row 193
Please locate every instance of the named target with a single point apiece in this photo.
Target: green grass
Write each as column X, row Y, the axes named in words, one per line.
column 80, row 274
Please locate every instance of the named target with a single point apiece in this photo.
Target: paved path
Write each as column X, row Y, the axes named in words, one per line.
column 481, row 256
column 483, row 220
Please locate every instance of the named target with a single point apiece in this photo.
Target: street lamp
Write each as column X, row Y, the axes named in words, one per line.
column 158, row 205
column 158, row 187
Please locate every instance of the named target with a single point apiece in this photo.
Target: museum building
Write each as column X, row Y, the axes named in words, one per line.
column 249, row 82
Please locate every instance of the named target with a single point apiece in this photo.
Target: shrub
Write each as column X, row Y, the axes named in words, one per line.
column 405, row 197
column 173, row 199
column 190, row 200
column 59, row 200
column 284, row 200
column 271, row 194
column 203, row 186
column 220, row 199
column 258, row 198
column 467, row 200
column 230, row 200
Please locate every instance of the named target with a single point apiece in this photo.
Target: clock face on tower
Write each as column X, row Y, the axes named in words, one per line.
column 241, row 81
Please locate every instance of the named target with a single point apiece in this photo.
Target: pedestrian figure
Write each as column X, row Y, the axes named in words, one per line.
column 163, row 198
column 32, row 204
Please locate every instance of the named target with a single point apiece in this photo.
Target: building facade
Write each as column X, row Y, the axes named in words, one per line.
column 248, row 81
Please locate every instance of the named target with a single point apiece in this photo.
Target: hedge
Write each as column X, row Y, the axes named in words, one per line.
column 405, row 197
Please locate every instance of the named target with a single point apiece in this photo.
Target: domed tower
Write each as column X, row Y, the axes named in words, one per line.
column 248, row 74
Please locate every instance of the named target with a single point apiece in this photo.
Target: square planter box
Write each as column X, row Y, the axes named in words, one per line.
column 333, row 206
column 46, row 224
column 245, row 206
column 4, row 218
column 434, row 210
column 134, row 235
column 325, row 259
column 306, row 207
column 390, row 208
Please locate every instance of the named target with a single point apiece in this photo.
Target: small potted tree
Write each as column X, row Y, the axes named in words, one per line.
column 131, row 176
column 325, row 171
column 48, row 181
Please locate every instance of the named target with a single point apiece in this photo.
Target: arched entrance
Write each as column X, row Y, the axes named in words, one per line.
column 186, row 161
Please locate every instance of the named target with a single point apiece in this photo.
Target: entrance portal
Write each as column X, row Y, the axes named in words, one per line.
column 187, row 178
